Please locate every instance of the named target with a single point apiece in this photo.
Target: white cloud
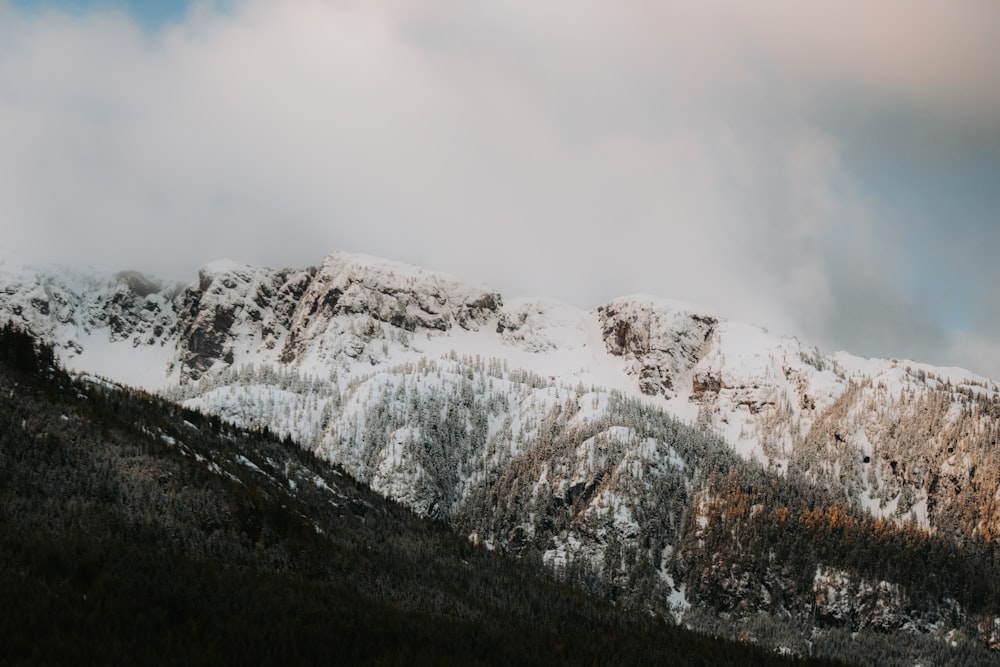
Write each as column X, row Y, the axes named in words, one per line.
column 581, row 150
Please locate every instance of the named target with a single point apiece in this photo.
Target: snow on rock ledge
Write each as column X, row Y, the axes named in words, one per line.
column 235, row 311
column 661, row 340
column 540, row 325
column 355, row 295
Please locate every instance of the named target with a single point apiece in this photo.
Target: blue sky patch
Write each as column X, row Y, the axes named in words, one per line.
column 150, row 15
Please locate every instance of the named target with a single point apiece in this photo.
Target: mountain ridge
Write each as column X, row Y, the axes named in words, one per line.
column 354, row 313
column 373, row 271
column 594, row 443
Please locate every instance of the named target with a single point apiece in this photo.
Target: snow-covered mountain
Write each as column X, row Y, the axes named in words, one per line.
column 539, row 428
column 879, row 429
column 122, row 325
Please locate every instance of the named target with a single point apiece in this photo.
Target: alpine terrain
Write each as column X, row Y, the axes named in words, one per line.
column 688, row 467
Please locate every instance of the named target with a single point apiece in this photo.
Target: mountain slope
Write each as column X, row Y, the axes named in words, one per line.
column 552, row 434
column 134, row 531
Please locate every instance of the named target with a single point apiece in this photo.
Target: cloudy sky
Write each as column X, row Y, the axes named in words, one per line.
column 827, row 169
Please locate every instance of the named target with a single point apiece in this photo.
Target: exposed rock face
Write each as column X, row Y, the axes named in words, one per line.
column 660, row 342
column 235, row 309
column 67, row 307
column 351, row 300
column 843, row 599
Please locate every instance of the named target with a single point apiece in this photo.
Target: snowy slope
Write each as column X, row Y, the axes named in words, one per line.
column 889, row 435
column 120, row 325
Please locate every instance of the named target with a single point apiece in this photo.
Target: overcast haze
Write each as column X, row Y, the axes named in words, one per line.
column 829, row 170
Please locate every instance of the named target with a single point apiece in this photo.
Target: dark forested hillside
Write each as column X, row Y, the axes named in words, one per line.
column 135, row 532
